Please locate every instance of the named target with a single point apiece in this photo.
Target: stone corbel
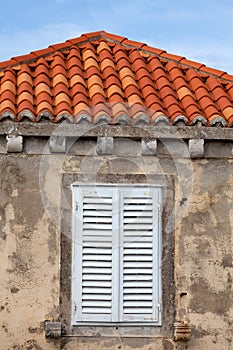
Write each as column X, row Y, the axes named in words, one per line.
column 52, row 330
column 182, row 331
column 14, row 144
column 104, row 146
column 57, row 144
column 196, row 148
column 149, row 147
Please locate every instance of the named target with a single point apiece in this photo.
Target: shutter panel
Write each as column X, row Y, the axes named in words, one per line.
column 94, row 273
column 116, row 254
column 140, row 264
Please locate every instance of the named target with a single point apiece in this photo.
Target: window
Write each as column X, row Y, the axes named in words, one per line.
column 116, row 254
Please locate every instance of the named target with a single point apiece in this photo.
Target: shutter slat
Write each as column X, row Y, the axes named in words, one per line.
column 97, row 219
column 98, row 207
column 130, row 240
column 100, row 238
column 140, row 220
column 96, row 302
column 101, row 226
column 135, row 264
column 97, row 296
column 91, row 283
column 137, row 234
column 95, row 213
column 143, row 214
column 95, row 310
column 136, row 208
column 103, row 251
column 97, row 290
column 132, row 258
column 138, row 251
column 97, row 200
column 97, row 257
column 138, row 278
column 137, row 244
column 135, row 226
column 97, row 270
column 135, row 290
column 130, row 200
column 139, row 284
column 137, row 297
column 98, row 245
column 97, row 263
column 102, row 277
column 97, row 233
column 144, row 271
column 136, row 310
column 138, row 303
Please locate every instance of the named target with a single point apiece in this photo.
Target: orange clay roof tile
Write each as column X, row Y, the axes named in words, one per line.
column 106, row 63
column 77, row 79
column 44, row 96
column 7, row 104
column 25, row 105
column 110, row 72
column 78, row 89
column 8, row 85
column 228, row 112
column 7, row 95
column 114, row 89
column 60, row 78
column 9, row 75
column 44, row 106
column 91, row 71
column 25, row 87
column 97, row 98
column 79, row 97
column 83, row 74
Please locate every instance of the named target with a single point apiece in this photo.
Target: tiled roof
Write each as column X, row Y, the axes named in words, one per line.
column 101, row 77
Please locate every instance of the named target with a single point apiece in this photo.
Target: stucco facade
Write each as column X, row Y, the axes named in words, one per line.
column 35, row 235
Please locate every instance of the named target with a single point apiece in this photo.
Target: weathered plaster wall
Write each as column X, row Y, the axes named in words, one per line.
column 204, row 256
column 29, row 258
column 30, row 232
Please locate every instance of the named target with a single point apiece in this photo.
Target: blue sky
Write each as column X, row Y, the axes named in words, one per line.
column 201, row 30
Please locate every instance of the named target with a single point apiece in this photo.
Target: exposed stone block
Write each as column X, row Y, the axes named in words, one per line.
column 149, row 147
column 14, row 143
column 53, row 330
column 104, row 146
column 196, row 148
column 182, row 331
column 57, row 144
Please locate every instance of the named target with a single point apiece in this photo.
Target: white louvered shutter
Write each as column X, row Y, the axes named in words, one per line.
column 116, row 254
column 94, row 224
column 140, row 270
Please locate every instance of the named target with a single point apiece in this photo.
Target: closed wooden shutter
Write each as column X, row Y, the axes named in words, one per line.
column 116, row 254
column 140, row 255
column 94, row 217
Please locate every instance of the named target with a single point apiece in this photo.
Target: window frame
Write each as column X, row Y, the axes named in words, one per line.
column 157, row 255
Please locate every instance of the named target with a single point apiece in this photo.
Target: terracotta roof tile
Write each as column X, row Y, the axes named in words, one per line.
column 8, row 85
column 102, row 77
